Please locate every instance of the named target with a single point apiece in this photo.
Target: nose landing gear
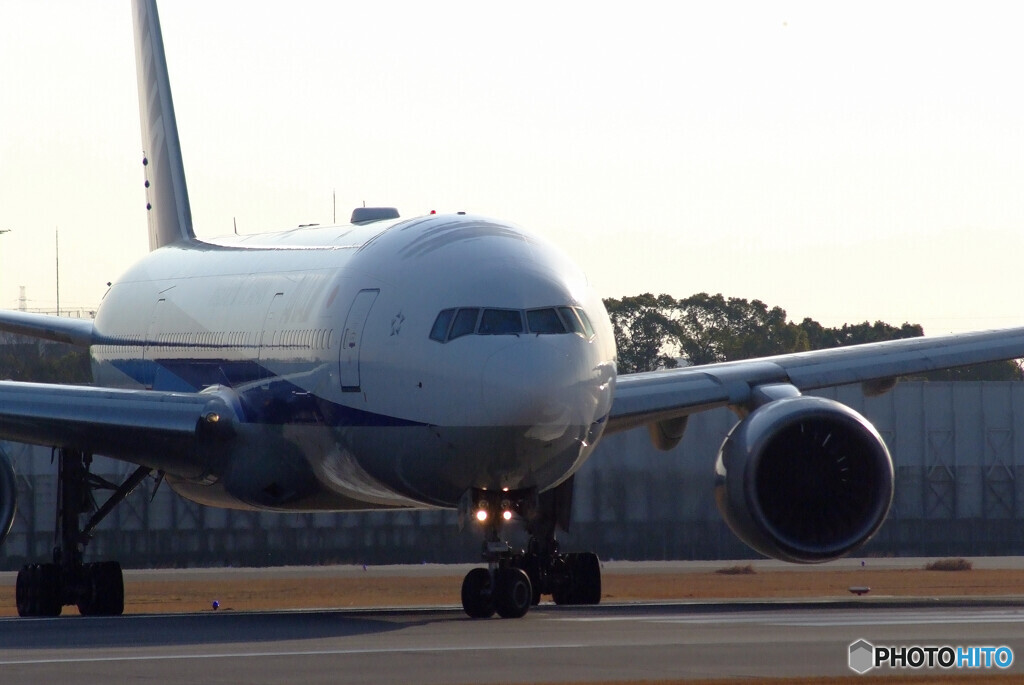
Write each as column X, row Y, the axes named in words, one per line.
column 503, row 587
column 515, row 580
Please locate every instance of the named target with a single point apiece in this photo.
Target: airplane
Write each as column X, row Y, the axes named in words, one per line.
column 444, row 361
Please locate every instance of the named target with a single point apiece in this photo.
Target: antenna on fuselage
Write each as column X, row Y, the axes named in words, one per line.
column 56, row 262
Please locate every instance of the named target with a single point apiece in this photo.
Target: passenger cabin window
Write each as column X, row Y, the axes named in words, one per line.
column 456, row 323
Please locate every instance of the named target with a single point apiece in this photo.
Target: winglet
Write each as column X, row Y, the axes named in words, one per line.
column 169, row 213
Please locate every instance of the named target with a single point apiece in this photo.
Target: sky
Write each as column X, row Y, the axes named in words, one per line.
column 844, row 161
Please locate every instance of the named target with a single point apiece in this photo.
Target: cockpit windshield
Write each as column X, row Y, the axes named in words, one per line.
column 465, row 323
column 455, row 323
column 501, row 322
column 545, row 321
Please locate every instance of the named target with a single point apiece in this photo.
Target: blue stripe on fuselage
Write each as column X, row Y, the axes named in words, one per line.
column 266, row 398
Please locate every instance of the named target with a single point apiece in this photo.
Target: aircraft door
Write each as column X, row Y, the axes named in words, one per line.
column 351, row 338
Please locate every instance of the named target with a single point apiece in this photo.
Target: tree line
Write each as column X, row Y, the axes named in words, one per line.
column 36, row 361
column 660, row 331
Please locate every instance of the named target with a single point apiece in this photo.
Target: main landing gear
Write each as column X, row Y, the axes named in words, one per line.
column 515, row 580
column 96, row 588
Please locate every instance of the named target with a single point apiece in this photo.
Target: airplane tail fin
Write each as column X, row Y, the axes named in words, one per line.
column 168, row 210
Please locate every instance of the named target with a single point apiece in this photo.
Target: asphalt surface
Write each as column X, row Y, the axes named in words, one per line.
column 551, row 644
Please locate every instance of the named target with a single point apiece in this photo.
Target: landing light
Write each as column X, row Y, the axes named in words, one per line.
column 481, row 515
column 507, row 515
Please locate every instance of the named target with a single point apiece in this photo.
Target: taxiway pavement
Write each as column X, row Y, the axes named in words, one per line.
column 440, row 645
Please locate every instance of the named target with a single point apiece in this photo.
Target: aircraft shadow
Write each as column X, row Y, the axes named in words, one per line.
column 223, row 627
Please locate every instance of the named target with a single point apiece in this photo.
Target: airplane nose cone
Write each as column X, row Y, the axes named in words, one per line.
column 545, row 384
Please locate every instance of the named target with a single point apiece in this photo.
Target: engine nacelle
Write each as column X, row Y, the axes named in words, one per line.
column 8, row 495
column 804, row 479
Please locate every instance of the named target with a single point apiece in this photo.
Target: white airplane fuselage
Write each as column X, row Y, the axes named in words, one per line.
column 321, row 338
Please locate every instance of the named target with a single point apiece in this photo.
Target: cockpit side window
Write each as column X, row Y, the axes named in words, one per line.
column 572, row 322
column 587, row 326
column 501, row 322
column 544, row 321
column 440, row 330
column 576, row 321
column 465, row 323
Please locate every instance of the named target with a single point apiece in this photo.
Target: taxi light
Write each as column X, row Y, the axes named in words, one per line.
column 481, row 515
column 507, row 515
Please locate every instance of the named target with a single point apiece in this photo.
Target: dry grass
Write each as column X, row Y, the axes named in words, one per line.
column 785, row 584
column 148, row 596
column 738, row 570
column 954, row 564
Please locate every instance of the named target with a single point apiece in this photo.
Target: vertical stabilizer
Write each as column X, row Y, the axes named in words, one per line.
column 169, row 214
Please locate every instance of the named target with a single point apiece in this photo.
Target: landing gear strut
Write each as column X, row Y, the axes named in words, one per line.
column 96, row 588
column 515, row 580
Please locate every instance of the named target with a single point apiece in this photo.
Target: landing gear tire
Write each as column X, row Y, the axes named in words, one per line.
column 38, row 591
column 513, row 593
column 586, row 568
column 582, row 582
column 102, row 589
column 96, row 588
column 517, row 579
column 477, row 599
column 532, row 568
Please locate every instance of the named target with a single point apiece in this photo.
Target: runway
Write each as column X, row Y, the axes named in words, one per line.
column 633, row 642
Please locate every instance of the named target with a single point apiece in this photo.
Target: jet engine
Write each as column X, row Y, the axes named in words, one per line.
column 804, row 479
column 8, row 495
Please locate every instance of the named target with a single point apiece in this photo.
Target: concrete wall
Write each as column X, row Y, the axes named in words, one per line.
column 957, row 449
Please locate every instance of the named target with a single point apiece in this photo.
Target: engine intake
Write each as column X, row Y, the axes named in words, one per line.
column 804, row 479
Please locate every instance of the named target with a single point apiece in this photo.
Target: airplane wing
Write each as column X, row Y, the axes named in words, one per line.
column 659, row 396
column 152, row 428
column 163, row 430
column 78, row 332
